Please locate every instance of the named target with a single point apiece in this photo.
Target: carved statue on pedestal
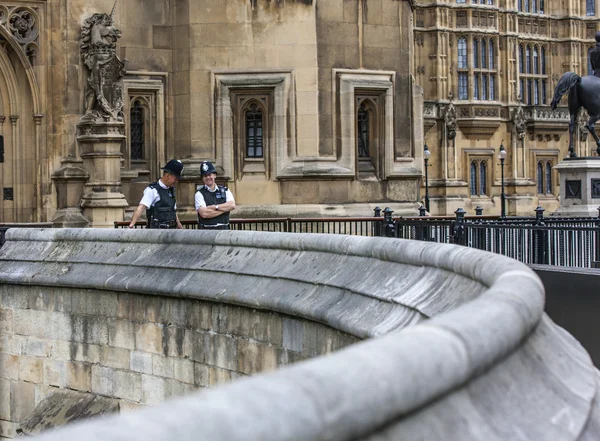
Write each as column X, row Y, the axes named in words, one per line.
column 450, row 121
column 104, row 99
column 520, row 122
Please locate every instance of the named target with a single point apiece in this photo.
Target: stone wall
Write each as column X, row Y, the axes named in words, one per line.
column 138, row 349
column 457, row 344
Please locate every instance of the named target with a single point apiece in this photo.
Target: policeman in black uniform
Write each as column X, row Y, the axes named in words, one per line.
column 159, row 199
column 213, row 202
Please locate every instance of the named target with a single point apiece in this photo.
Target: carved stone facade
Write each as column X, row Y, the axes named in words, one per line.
column 270, row 91
column 497, row 63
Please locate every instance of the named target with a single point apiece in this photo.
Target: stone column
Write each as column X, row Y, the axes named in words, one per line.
column 69, row 180
column 100, row 147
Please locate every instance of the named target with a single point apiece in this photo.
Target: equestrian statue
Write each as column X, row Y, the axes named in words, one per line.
column 583, row 93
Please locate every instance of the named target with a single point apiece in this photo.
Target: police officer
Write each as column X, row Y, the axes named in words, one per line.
column 159, row 199
column 213, row 202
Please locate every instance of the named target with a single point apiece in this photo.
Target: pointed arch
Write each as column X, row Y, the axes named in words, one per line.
column 254, row 112
column 29, row 72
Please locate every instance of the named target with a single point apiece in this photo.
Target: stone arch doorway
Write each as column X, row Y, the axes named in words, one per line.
column 20, row 135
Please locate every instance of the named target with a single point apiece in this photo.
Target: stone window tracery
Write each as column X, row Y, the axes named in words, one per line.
column 251, row 119
column 484, row 72
column 533, row 79
column 478, row 177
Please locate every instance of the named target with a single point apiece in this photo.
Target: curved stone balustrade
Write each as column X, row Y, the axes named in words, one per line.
column 456, row 343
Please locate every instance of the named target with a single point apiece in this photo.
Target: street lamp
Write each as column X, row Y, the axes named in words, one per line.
column 426, row 155
column 502, row 157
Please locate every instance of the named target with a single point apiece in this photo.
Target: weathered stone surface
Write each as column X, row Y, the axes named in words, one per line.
column 63, row 407
column 457, row 342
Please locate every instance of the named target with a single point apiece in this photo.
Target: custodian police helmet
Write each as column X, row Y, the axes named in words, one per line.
column 174, row 167
column 207, row 168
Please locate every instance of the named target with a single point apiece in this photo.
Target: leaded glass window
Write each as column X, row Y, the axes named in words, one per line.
column 363, row 131
column 254, row 132
column 462, row 53
column 137, row 130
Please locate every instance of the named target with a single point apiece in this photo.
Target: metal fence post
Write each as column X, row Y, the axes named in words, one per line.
column 422, row 211
column 478, row 211
column 540, row 241
column 377, row 225
column 596, row 262
column 390, row 227
column 459, row 236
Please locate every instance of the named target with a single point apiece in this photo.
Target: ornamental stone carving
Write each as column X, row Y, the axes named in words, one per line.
column 22, row 23
column 582, row 120
column 104, row 99
column 450, row 121
column 520, row 122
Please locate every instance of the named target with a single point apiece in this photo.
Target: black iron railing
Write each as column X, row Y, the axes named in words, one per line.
column 569, row 242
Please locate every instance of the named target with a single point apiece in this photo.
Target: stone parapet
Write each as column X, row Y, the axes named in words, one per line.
column 457, row 343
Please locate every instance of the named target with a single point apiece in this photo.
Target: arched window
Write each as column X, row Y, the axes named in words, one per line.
column 473, row 180
column 548, row 177
column 136, row 121
column 544, row 176
column 462, row 53
column 476, row 52
column 369, row 105
column 521, row 59
column 363, row 132
column 478, row 177
column 528, row 59
column 254, row 132
column 482, row 177
column 520, row 5
column 536, row 69
column 540, row 178
column 543, row 60
column 483, row 53
column 492, row 54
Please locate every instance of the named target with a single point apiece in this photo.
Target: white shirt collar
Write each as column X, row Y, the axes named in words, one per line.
column 161, row 183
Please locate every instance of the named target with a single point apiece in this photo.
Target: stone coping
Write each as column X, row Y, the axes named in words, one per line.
column 480, row 321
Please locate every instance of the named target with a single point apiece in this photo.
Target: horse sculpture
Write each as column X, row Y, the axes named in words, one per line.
column 583, row 93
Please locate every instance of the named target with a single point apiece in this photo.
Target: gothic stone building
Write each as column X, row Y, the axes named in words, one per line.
column 305, row 106
column 488, row 69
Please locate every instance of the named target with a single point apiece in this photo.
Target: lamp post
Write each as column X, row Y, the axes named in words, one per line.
column 426, row 155
column 502, row 157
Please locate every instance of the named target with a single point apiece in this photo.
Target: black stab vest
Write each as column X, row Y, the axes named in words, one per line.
column 162, row 213
column 216, row 198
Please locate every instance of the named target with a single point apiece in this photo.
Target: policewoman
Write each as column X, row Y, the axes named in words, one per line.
column 159, row 199
column 213, row 202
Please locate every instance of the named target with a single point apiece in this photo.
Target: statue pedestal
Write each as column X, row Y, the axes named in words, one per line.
column 100, row 146
column 579, row 187
column 69, row 180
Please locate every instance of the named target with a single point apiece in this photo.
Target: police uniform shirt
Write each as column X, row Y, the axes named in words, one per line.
column 199, row 199
column 151, row 195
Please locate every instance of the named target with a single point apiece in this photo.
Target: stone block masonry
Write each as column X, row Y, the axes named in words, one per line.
column 138, row 349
